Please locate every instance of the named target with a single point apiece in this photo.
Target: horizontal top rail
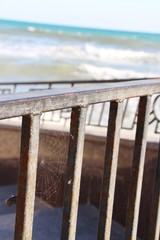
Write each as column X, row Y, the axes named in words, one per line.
column 52, row 82
column 19, row 104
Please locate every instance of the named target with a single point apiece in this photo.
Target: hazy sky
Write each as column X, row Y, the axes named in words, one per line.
column 133, row 15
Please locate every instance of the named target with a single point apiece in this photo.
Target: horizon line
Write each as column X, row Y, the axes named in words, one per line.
column 82, row 27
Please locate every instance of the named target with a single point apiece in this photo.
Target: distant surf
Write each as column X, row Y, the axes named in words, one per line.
column 30, row 51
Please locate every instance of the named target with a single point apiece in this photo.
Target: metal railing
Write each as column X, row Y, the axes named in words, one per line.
column 30, row 105
column 96, row 112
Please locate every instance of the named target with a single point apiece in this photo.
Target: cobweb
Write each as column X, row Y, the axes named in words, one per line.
column 53, row 147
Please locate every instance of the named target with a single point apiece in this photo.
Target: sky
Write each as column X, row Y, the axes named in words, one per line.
column 130, row 15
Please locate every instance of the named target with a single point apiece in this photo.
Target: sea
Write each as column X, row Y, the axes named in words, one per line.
column 42, row 52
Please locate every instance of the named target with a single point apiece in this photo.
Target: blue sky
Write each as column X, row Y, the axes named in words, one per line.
column 132, row 15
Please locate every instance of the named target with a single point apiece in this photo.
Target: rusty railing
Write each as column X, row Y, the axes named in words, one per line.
column 96, row 115
column 30, row 105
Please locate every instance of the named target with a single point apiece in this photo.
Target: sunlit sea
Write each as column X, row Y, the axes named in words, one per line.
column 30, row 51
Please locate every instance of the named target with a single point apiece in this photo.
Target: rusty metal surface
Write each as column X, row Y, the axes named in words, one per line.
column 74, row 168
column 110, row 169
column 63, row 116
column 27, row 177
column 154, row 231
column 14, row 105
column 137, row 169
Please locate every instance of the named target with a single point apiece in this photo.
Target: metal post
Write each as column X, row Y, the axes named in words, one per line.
column 14, row 87
column 137, row 169
column 110, row 170
column 27, row 177
column 73, row 178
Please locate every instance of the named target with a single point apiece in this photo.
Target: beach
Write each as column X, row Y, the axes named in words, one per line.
column 39, row 52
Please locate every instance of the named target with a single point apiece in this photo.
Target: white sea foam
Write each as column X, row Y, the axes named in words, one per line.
column 85, row 52
column 81, row 60
column 31, row 29
column 96, row 72
column 123, row 55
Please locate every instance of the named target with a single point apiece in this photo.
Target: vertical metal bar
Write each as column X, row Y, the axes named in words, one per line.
column 110, row 169
column 91, row 113
column 137, row 168
column 74, row 166
column 14, row 87
column 101, row 114
column 27, row 177
column 125, row 109
column 154, row 228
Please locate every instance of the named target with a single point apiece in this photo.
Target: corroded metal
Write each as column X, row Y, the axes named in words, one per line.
column 9, row 87
column 74, row 167
column 154, row 230
column 14, row 105
column 27, row 177
column 110, row 169
column 137, row 169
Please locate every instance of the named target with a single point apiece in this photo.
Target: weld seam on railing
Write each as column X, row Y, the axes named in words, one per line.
column 154, row 226
column 110, row 170
column 27, row 177
column 137, row 168
column 74, row 168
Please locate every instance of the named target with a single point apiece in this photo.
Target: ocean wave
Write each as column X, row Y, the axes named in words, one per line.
column 122, row 55
column 95, row 72
column 63, row 70
column 82, row 35
column 31, row 29
column 45, row 31
column 84, row 52
column 29, row 49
